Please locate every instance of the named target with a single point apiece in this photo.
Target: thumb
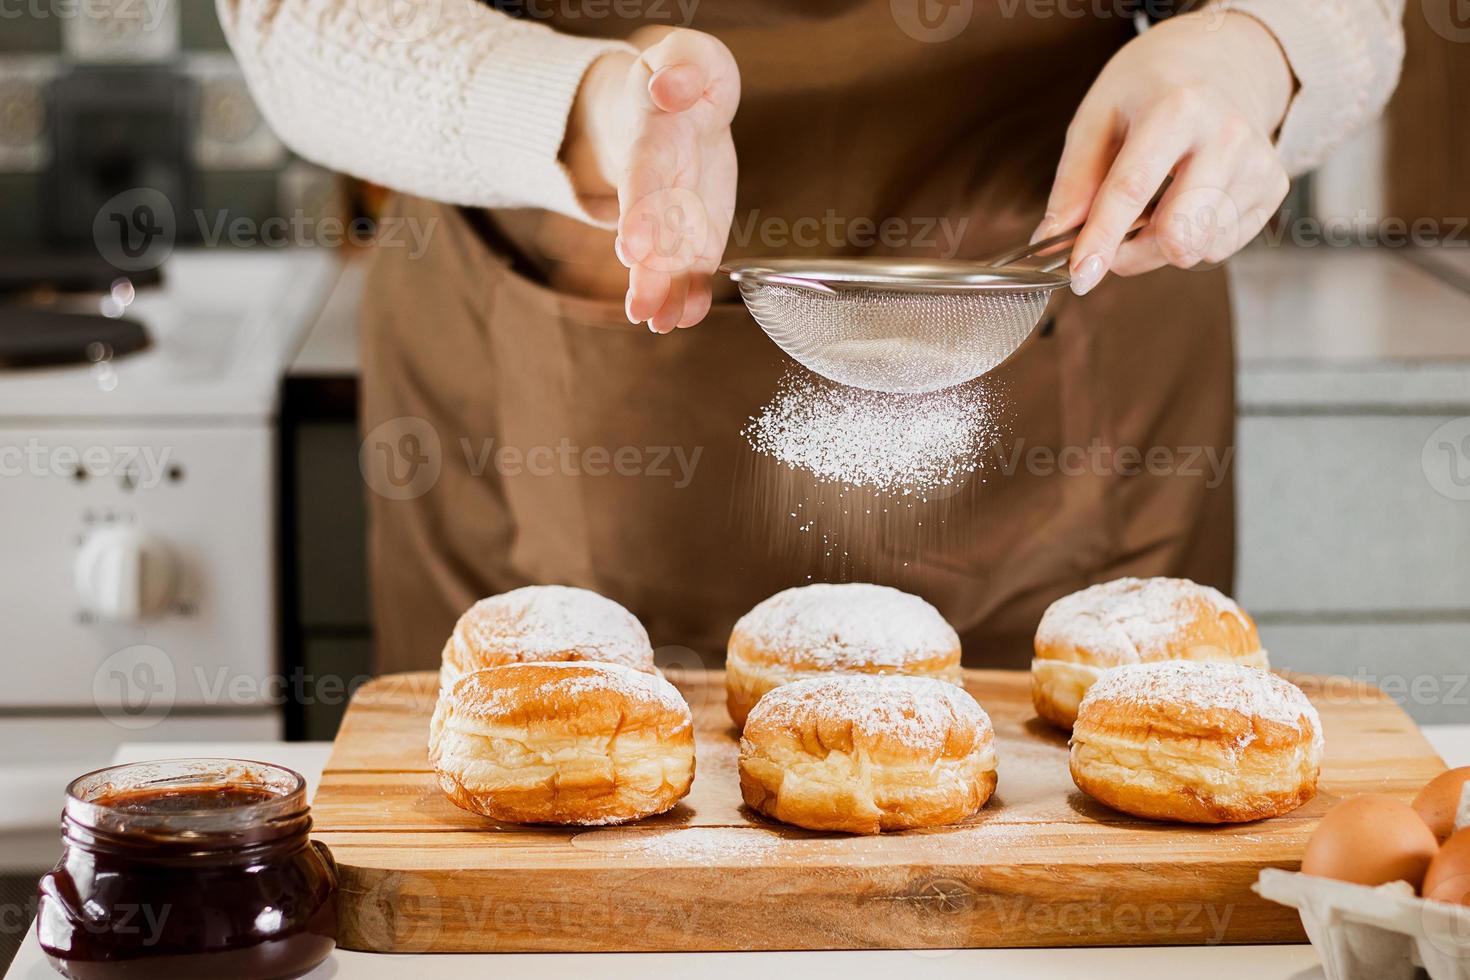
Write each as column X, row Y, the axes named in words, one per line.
column 683, row 68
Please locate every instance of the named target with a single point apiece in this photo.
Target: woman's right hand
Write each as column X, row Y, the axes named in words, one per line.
column 654, row 130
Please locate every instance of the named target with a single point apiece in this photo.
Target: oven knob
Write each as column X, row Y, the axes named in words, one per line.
column 125, row 575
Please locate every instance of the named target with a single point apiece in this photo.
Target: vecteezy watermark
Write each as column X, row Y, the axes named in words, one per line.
column 939, row 236
column 932, row 21
column 400, row 21
column 1446, row 459
column 1361, row 229
column 149, row 13
column 679, row 13
column 139, row 686
column 135, row 230
column 1423, row 690
column 569, row 459
column 401, row 459
column 1450, row 19
column 144, row 466
column 135, row 688
column 138, row 229
column 1210, row 463
column 1107, row 9
column 303, row 230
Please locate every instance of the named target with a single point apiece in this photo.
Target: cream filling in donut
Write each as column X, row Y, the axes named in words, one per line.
column 846, row 785
column 1065, row 682
column 511, row 762
column 1206, row 769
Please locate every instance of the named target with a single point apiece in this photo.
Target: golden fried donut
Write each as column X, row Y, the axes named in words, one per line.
column 863, row 753
column 842, row 629
column 541, row 623
column 562, row 743
column 1197, row 742
column 1131, row 621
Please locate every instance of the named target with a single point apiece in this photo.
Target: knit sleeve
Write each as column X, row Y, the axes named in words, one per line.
column 444, row 99
column 1346, row 56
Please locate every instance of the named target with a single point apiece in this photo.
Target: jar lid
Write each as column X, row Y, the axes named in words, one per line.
column 190, row 800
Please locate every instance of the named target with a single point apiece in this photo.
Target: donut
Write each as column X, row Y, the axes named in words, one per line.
column 1197, row 742
column 845, row 629
column 861, row 753
column 1131, row 621
column 541, row 623
column 562, row 743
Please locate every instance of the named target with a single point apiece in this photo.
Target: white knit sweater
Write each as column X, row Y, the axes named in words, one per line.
column 461, row 103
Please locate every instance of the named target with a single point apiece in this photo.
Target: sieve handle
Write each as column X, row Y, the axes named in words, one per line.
column 1056, row 251
column 796, row 281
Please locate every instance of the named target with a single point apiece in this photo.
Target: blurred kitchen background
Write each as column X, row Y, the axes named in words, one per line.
column 140, row 468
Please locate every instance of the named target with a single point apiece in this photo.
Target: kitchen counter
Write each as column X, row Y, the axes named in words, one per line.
column 1134, row 963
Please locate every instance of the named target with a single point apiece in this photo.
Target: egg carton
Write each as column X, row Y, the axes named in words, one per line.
column 1383, row 933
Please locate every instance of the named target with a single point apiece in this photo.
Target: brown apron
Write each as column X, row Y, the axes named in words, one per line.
column 559, row 443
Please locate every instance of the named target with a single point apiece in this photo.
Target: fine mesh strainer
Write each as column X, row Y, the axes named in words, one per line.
column 903, row 325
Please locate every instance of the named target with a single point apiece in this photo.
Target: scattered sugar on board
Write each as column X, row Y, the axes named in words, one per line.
column 1232, row 687
column 1128, row 619
column 895, row 443
column 707, row 845
column 918, row 711
column 837, row 625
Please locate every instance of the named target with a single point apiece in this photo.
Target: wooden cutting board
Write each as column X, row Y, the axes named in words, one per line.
column 1041, row 865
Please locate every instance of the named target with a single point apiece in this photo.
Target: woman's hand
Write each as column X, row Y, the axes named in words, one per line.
column 655, row 131
column 1198, row 98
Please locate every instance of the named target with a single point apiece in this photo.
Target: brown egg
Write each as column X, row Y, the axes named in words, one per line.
column 1448, row 879
column 1438, row 801
column 1371, row 839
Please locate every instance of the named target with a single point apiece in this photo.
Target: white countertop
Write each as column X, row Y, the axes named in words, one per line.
column 1134, row 963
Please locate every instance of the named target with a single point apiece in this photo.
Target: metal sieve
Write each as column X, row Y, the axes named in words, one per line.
column 902, row 325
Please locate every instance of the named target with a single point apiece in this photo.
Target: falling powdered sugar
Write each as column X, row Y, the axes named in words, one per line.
column 893, row 443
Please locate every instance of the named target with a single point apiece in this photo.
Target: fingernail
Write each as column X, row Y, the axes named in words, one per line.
column 628, row 307
column 1086, row 275
column 651, row 327
column 1043, row 230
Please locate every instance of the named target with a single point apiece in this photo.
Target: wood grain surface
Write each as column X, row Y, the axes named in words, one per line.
column 1040, row 865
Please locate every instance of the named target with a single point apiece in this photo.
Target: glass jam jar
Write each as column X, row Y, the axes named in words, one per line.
column 185, row 869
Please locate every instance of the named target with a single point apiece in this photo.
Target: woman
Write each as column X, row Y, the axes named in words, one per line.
column 577, row 167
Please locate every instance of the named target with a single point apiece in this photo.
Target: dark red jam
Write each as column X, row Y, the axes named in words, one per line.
column 187, row 869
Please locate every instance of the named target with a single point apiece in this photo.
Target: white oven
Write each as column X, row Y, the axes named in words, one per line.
column 137, row 528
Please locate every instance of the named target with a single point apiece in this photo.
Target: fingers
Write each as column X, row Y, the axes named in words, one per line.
column 1149, row 154
column 1090, row 147
column 1221, row 198
column 676, row 196
column 696, row 303
column 648, row 289
column 672, row 309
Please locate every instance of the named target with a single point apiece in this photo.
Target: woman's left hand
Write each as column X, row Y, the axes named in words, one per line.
column 1198, row 98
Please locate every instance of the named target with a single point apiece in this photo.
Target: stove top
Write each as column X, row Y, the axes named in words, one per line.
column 31, row 337
column 210, row 342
